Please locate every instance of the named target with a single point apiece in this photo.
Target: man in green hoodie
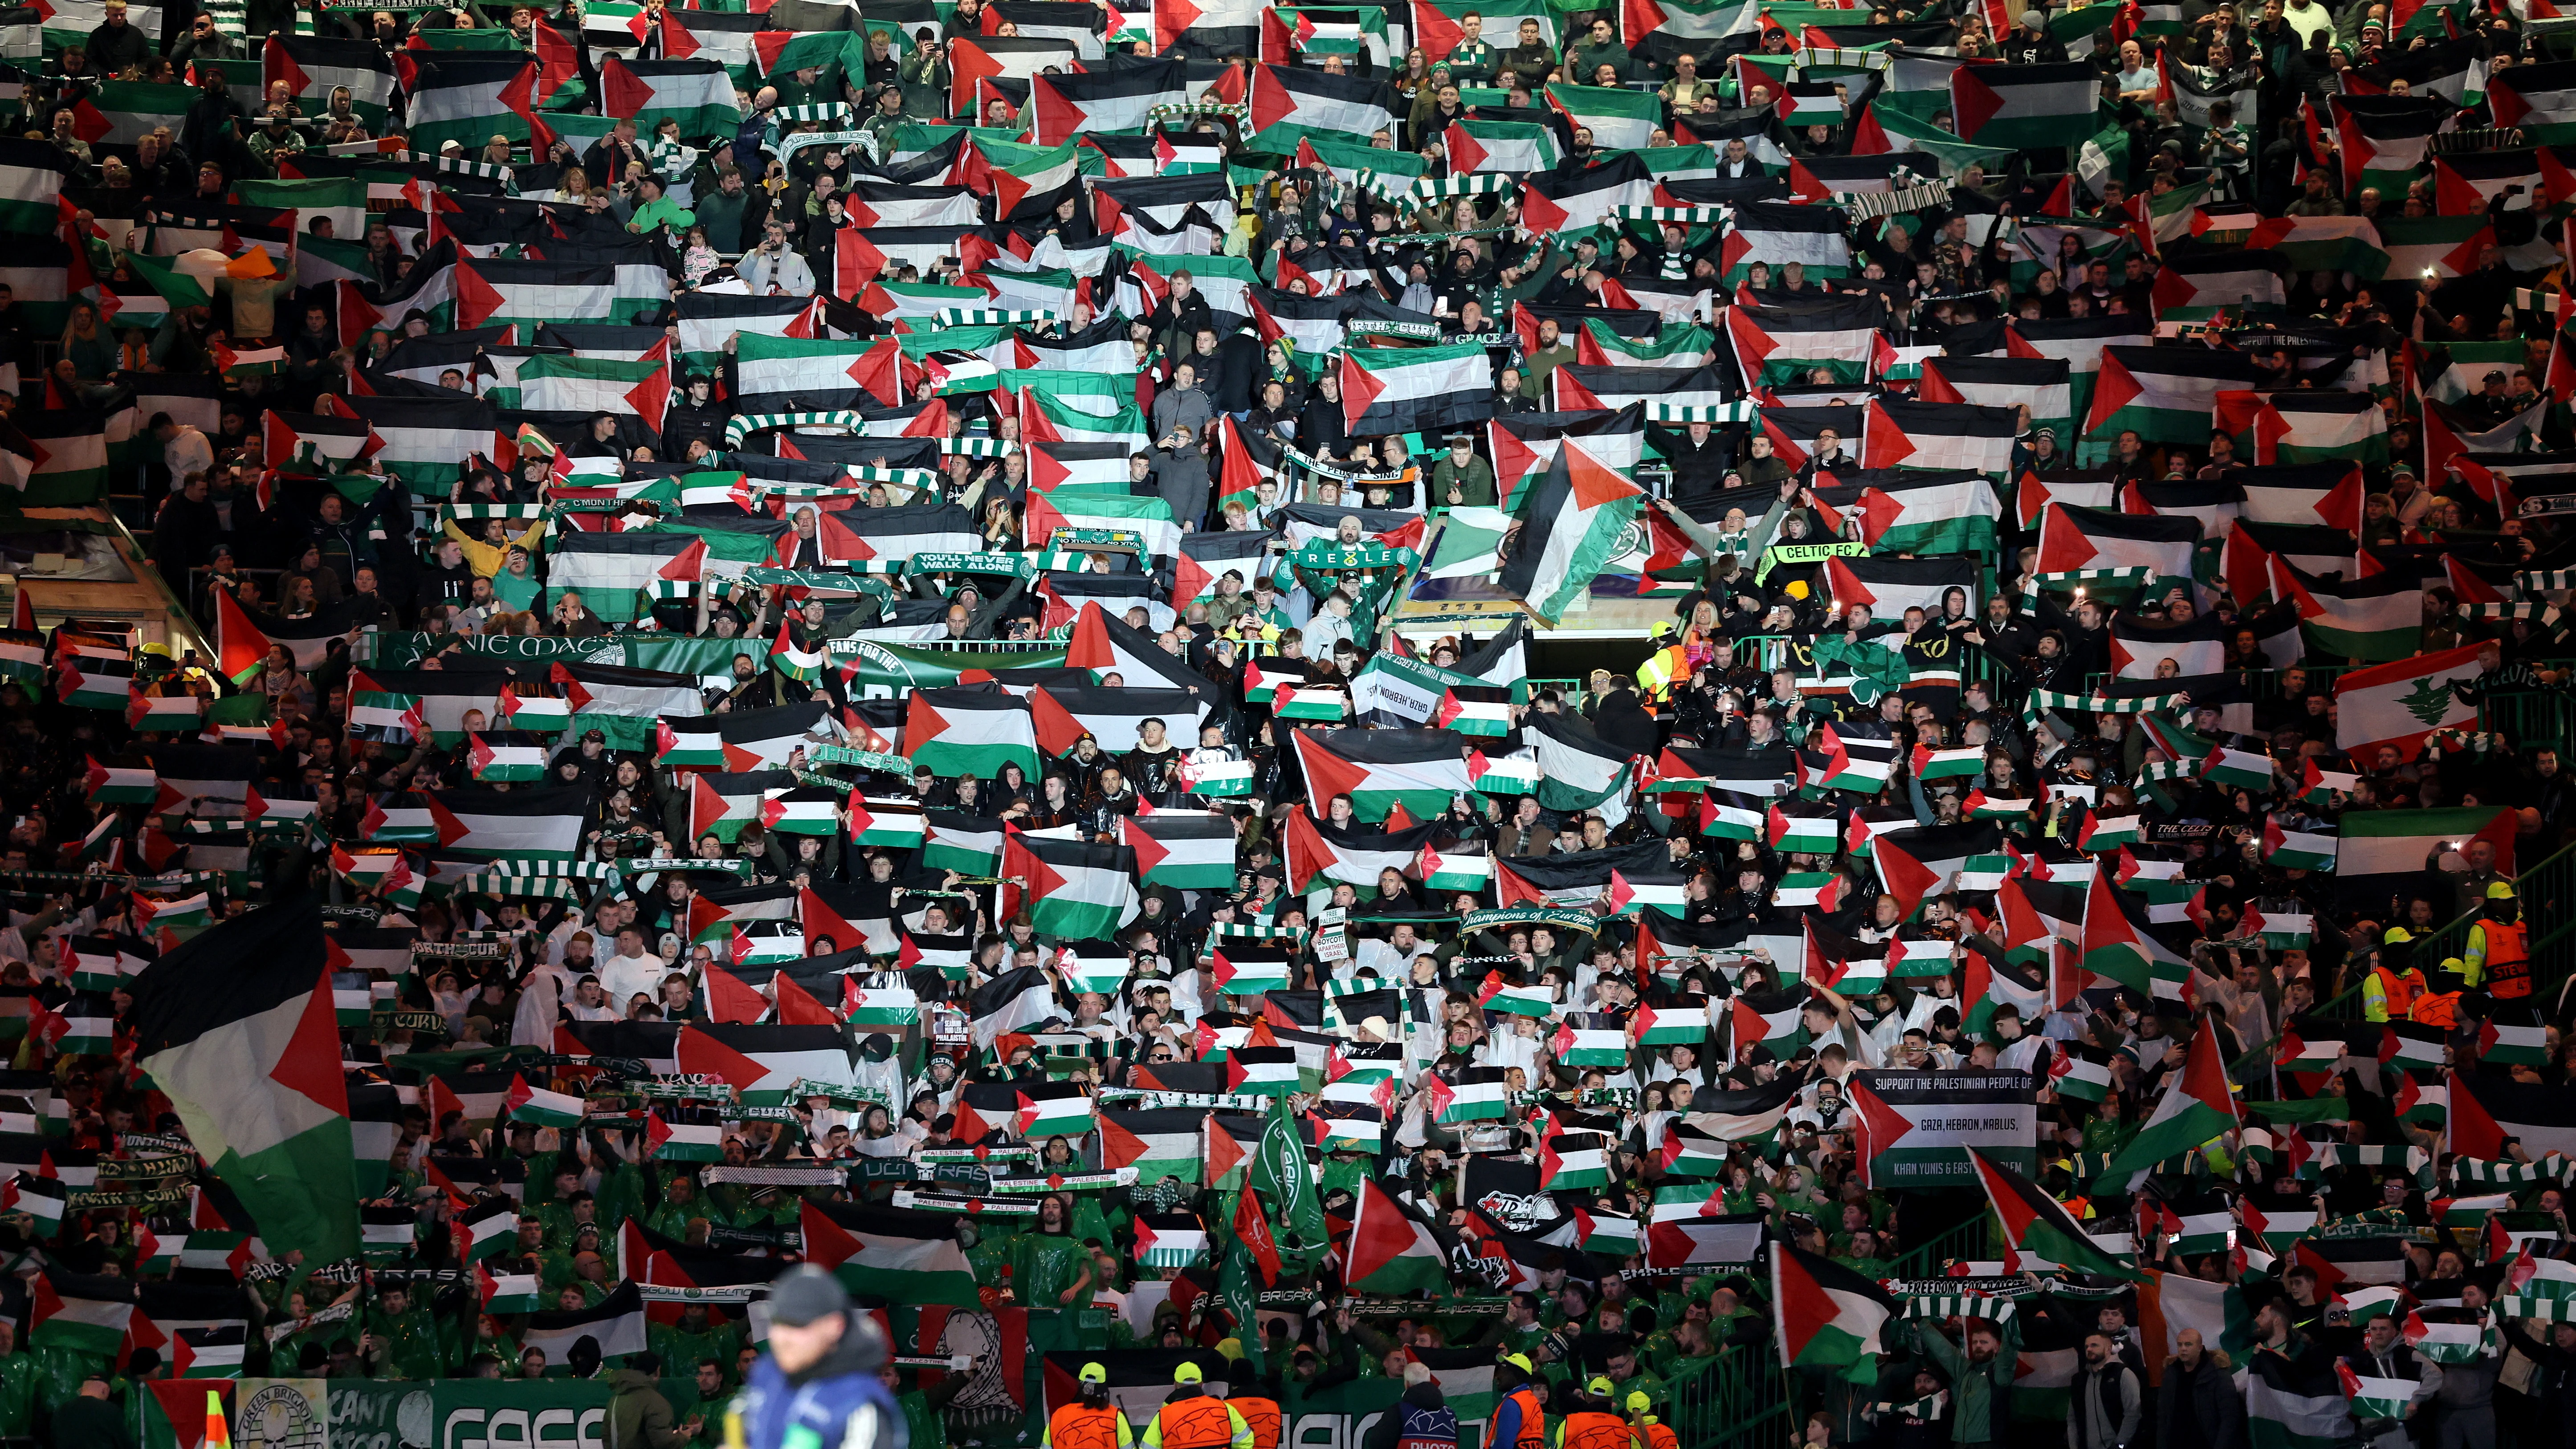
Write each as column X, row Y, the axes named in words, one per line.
column 1981, row 1376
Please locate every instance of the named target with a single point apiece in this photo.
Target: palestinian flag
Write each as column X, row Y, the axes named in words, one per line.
column 1577, row 516
column 1288, row 104
column 2195, row 1110
column 1157, row 1142
column 1779, row 233
column 2167, row 395
column 2037, row 1225
column 2382, row 140
column 1619, row 120
column 1389, row 1251
column 2019, row 107
column 80, row 1312
column 1423, row 770
column 1824, row 1314
column 237, row 1027
column 2121, row 943
column 1514, row 148
column 2205, row 281
column 2396, row 705
column 2487, row 1111
column 696, row 91
column 1918, row 863
column 2308, row 426
column 1782, row 345
column 2044, row 383
column 466, row 98
column 969, row 730
column 616, row 1324
column 1072, row 889
column 1063, row 107
column 1950, row 511
column 1181, row 850
column 2378, row 618
column 1415, row 389
column 2296, row 1403
column 505, row 756
column 2072, row 538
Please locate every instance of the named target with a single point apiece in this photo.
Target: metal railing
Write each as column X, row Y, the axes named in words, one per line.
column 1973, row 1238
column 2547, row 891
column 1739, row 1400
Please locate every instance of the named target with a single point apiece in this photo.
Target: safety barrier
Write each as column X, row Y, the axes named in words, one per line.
column 1740, row 1400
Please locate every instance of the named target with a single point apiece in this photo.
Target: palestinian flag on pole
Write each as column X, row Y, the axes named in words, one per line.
column 2037, row 1225
column 2397, row 705
column 2121, row 943
column 237, row 1027
column 2196, row 1109
column 1389, row 1251
column 1824, row 1314
column 1577, row 515
column 2024, row 107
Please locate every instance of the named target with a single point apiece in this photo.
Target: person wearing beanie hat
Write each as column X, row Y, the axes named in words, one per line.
column 1091, row 1421
column 1191, row 1418
column 817, row 1387
column 1422, row 1419
column 1243, row 1394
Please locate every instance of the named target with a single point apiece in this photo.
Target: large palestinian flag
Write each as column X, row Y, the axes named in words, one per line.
column 238, row 1029
column 1577, row 515
column 1825, row 1315
column 2039, row 1225
column 1422, row 769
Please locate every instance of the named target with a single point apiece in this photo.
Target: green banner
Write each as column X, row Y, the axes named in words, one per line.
column 539, row 1414
column 886, row 671
column 401, row 649
column 1408, row 689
